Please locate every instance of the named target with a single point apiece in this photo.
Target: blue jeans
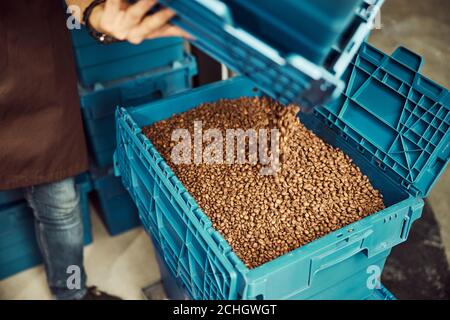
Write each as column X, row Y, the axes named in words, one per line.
column 59, row 231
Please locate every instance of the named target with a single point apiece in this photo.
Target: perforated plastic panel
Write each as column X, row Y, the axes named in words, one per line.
column 395, row 115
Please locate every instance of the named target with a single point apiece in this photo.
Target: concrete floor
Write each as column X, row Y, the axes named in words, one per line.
column 123, row 265
column 423, row 27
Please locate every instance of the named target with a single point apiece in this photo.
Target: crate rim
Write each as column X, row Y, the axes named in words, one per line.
column 187, row 62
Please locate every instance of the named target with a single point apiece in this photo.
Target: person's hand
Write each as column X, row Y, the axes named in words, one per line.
column 130, row 22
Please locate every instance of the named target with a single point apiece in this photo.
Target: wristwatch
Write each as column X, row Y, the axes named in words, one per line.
column 99, row 36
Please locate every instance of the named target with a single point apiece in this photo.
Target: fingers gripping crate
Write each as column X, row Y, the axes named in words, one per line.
column 336, row 265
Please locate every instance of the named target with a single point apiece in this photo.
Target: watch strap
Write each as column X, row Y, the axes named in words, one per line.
column 99, row 36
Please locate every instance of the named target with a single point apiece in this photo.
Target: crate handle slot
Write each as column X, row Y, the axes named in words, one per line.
column 408, row 58
column 341, row 251
column 140, row 93
column 116, row 164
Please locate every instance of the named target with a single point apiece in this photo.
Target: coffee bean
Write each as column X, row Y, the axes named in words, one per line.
column 317, row 190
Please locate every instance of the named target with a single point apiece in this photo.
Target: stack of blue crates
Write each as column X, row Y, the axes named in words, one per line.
column 127, row 75
column 97, row 63
column 98, row 106
column 18, row 246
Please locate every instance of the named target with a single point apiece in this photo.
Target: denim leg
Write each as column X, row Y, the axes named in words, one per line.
column 59, row 231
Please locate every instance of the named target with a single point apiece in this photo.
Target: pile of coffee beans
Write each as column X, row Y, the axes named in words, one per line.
column 316, row 190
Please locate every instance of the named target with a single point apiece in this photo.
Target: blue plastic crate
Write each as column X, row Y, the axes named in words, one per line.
column 10, row 196
column 84, row 186
column 117, row 209
column 334, row 264
column 98, row 63
column 18, row 246
column 202, row 260
column 175, row 290
column 233, row 38
column 172, row 286
column 309, row 27
column 98, row 105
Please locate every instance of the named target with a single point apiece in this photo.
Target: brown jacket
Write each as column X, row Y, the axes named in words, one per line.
column 41, row 133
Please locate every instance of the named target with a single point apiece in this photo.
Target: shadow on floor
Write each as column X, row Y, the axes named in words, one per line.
column 418, row 269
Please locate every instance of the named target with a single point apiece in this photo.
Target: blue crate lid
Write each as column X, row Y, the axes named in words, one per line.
column 287, row 77
column 395, row 116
